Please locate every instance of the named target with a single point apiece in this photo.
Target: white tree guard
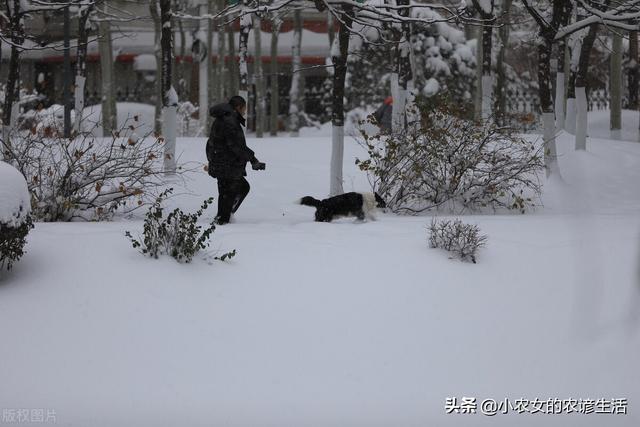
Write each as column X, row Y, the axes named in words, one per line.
column 581, row 118
column 559, row 101
column 549, row 138
column 337, row 159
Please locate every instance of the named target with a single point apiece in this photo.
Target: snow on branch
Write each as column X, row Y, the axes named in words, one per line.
column 625, row 16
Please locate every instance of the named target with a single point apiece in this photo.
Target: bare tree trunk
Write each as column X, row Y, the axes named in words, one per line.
column 615, row 90
column 213, row 70
column 501, row 77
column 81, row 64
column 570, row 115
column 179, row 62
column 488, row 18
column 221, row 66
column 259, row 78
column 327, row 99
column 169, row 95
column 275, row 87
column 487, row 78
column 12, row 88
column 331, row 28
column 546, row 107
column 243, row 41
column 337, row 119
column 234, row 72
column 561, row 78
column 633, row 76
column 560, row 89
column 477, row 101
column 155, row 15
column 403, row 70
column 109, row 113
column 204, row 69
column 294, row 92
column 13, row 79
column 581, row 85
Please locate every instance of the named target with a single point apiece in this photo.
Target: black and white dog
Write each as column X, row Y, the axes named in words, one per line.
column 360, row 205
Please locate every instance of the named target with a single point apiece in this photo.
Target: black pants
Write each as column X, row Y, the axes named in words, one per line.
column 231, row 193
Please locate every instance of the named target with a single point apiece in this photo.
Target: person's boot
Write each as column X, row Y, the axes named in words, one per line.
column 220, row 220
column 242, row 188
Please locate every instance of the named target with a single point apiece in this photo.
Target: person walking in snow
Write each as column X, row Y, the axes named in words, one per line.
column 384, row 114
column 228, row 154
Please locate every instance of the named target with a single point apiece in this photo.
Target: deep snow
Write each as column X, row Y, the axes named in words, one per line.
column 341, row 324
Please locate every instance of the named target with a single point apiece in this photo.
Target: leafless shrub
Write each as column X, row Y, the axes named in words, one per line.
column 462, row 240
column 445, row 160
column 85, row 177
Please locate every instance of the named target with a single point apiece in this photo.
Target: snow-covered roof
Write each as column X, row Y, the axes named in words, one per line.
column 15, row 202
column 143, row 42
column 145, row 62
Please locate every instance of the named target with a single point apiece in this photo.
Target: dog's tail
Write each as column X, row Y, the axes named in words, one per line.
column 310, row 201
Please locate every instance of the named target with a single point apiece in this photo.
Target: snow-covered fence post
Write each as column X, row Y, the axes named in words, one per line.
column 294, row 92
column 275, row 87
column 169, row 95
column 616, row 86
column 339, row 53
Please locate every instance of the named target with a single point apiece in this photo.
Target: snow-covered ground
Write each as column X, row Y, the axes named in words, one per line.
column 599, row 126
column 341, row 324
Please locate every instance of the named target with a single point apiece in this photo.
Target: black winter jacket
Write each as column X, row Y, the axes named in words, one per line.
column 227, row 150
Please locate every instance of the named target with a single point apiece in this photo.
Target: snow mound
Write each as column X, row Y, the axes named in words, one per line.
column 127, row 112
column 15, row 202
column 46, row 118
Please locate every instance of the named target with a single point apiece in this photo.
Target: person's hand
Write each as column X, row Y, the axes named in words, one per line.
column 258, row 166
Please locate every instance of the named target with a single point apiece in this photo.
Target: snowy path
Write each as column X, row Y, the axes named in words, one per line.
column 341, row 324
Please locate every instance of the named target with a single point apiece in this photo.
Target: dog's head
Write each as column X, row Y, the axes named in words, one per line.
column 380, row 203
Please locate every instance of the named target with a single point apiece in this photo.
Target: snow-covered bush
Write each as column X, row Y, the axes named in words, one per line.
column 178, row 234
column 446, row 160
column 87, row 177
column 445, row 60
column 462, row 240
column 45, row 122
column 15, row 220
